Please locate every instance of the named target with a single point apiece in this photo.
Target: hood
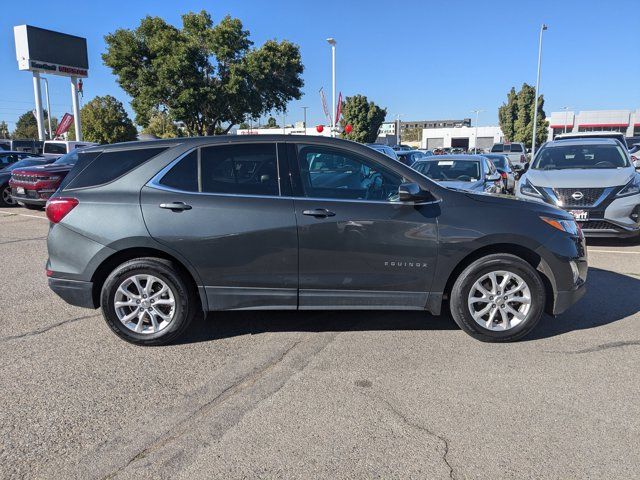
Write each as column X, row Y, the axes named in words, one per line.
column 459, row 185
column 509, row 201
column 577, row 178
column 43, row 169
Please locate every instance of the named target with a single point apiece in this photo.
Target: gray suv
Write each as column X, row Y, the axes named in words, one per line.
column 156, row 232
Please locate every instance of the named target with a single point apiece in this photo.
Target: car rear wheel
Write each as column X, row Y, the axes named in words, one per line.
column 498, row 298
column 5, row 197
column 147, row 301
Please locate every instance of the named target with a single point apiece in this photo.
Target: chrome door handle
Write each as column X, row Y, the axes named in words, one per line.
column 175, row 206
column 319, row 213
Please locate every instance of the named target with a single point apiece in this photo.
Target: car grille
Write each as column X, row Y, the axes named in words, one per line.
column 589, row 196
column 597, row 225
column 28, row 178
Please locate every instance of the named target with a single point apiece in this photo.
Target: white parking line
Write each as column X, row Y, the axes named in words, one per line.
column 11, row 214
column 613, row 251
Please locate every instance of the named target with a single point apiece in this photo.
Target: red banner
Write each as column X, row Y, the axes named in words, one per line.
column 339, row 108
column 64, row 124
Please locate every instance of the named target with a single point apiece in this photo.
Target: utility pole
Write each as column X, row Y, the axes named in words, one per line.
column 543, row 27
column 566, row 117
column 398, row 136
column 331, row 41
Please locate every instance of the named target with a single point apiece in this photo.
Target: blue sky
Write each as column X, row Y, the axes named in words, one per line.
column 420, row 59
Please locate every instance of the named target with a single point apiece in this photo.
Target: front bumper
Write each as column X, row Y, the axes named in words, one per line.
column 74, row 292
column 564, row 299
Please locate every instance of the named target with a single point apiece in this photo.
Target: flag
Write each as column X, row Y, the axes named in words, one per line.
column 339, row 108
column 64, row 124
column 324, row 106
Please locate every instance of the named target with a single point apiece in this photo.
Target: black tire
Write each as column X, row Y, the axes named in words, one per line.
column 465, row 281
column 187, row 305
column 5, row 190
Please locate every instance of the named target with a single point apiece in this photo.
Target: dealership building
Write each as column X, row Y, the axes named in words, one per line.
column 624, row 121
column 461, row 137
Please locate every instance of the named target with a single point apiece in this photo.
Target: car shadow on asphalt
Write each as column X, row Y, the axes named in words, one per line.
column 590, row 312
column 610, row 297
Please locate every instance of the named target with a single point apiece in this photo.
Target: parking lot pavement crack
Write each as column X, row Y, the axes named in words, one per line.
column 183, row 426
column 46, row 329
column 599, row 348
column 441, row 438
column 23, row 240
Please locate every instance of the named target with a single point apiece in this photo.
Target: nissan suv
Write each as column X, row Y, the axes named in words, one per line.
column 155, row 232
column 593, row 179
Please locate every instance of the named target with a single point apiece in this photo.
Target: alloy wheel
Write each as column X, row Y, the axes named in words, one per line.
column 145, row 304
column 6, row 196
column 499, row 300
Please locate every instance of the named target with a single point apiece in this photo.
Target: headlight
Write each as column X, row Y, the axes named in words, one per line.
column 569, row 226
column 528, row 189
column 631, row 188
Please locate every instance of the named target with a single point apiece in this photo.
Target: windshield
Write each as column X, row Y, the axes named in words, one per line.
column 580, row 157
column 22, row 164
column 498, row 160
column 450, row 170
column 55, row 148
column 69, row 159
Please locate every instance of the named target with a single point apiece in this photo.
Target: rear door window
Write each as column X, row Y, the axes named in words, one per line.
column 516, row 147
column 108, row 166
column 498, row 147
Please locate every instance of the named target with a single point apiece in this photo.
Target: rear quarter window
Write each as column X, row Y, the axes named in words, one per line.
column 107, row 167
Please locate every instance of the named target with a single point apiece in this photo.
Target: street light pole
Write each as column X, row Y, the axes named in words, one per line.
column 304, row 109
column 537, row 92
column 46, row 94
column 475, row 146
column 566, row 117
column 331, row 41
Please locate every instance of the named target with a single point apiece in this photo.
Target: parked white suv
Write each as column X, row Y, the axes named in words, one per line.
column 57, row 148
column 593, row 179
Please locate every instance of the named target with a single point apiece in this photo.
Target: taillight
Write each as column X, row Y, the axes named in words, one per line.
column 503, row 175
column 523, row 158
column 58, row 208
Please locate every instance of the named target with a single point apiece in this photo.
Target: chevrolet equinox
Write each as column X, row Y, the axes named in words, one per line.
column 155, row 232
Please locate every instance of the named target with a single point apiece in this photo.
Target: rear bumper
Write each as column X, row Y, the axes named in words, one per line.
column 74, row 292
column 40, row 202
column 566, row 298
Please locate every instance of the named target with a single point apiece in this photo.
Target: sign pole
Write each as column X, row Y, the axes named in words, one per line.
column 76, row 109
column 46, row 94
column 38, row 96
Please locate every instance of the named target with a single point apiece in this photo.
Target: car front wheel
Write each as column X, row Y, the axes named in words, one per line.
column 147, row 301
column 498, row 298
column 5, row 197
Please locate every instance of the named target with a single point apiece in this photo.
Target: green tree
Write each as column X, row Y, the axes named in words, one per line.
column 516, row 116
column 104, row 120
column 27, row 126
column 365, row 118
column 161, row 125
column 4, row 130
column 272, row 123
column 210, row 77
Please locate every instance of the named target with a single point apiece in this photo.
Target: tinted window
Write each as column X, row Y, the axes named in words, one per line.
column 581, row 157
column 498, row 147
column 328, row 173
column 516, row 147
column 184, row 174
column 68, row 159
column 7, row 159
column 250, row 169
column 55, row 148
column 109, row 166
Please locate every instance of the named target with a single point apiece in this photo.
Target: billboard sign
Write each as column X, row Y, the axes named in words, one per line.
column 46, row 51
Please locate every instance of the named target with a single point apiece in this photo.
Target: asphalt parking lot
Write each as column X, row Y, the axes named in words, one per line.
column 316, row 395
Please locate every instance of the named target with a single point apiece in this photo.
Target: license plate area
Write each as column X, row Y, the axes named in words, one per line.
column 20, row 190
column 580, row 215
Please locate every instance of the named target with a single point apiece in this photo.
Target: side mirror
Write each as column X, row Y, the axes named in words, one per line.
column 636, row 163
column 412, row 192
column 492, row 177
